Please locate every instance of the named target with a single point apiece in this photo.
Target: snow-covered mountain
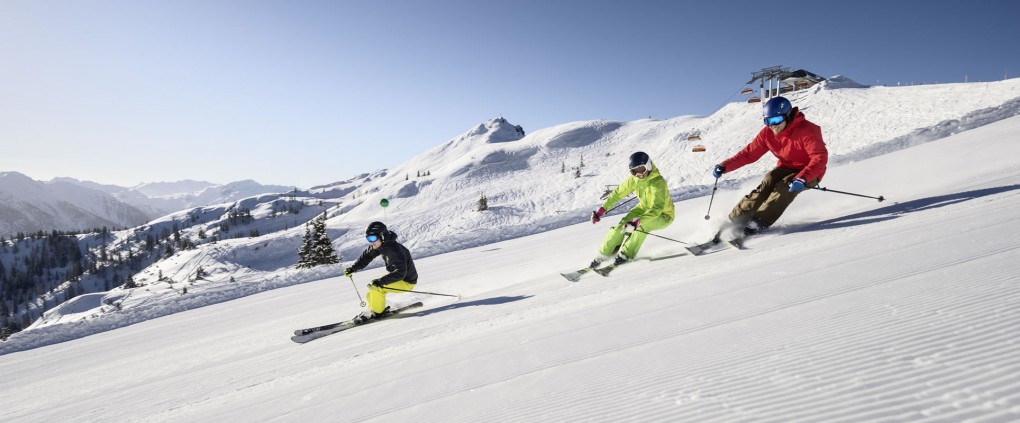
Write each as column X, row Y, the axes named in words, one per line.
column 851, row 310
column 162, row 198
column 27, row 205
column 548, row 179
column 68, row 204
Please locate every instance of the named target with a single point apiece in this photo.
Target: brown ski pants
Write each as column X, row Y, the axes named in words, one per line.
column 766, row 203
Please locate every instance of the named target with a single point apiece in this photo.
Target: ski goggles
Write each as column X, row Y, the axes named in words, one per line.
column 638, row 170
column 372, row 238
column 774, row 120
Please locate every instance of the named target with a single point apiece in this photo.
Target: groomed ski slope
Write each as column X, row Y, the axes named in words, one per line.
column 852, row 311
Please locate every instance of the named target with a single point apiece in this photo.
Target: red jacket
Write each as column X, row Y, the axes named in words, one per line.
column 798, row 146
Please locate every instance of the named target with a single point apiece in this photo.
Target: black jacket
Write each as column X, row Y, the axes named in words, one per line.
column 398, row 261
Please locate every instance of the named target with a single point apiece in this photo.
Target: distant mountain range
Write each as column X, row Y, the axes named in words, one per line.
column 67, row 204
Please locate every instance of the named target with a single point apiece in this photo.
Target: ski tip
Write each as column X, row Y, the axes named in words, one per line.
column 573, row 276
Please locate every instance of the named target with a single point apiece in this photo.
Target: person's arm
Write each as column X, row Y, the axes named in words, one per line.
column 398, row 258
column 818, row 155
column 749, row 154
column 366, row 258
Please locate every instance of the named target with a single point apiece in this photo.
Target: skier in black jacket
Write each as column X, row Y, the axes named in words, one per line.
column 402, row 274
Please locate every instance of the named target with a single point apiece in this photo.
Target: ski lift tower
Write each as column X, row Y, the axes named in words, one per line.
column 771, row 73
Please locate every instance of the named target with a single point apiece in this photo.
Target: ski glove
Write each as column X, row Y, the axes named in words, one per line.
column 629, row 227
column 348, row 272
column 718, row 171
column 797, row 185
column 378, row 283
column 596, row 215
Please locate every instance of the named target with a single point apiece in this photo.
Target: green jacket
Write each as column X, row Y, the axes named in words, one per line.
column 652, row 193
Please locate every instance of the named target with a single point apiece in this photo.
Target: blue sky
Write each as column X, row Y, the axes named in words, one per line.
column 309, row 92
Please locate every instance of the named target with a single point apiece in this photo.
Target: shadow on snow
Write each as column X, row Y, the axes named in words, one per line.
column 462, row 304
column 895, row 210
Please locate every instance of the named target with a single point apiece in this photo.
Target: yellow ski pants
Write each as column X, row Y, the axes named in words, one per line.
column 376, row 296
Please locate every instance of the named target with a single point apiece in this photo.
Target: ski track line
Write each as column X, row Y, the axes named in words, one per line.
column 727, row 388
column 629, row 345
column 844, row 357
column 737, row 383
column 886, row 396
column 582, row 300
column 729, row 363
column 348, row 358
column 907, row 272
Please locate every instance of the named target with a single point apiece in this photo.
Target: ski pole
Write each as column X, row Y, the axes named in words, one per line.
column 879, row 198
column 356, row 290
column 660, row 236
column 421, row 292
column 715, row 186
column 618, row 205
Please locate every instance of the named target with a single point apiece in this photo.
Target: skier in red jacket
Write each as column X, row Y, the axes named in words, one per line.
column 802, row 156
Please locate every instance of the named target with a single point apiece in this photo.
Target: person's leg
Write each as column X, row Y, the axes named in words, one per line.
column 780, row 198
column 376, row 296
column 612, row 241
column 633, row 244
column 746, row 209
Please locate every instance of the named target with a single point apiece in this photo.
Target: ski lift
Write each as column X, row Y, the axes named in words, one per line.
column 754, row 100
column 696, row 135
column 609, row 190
column 746, row 91
column 698, row 148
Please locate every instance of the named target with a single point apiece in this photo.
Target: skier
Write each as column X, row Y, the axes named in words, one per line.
column 798, row 145
column 654, row 211
column 402, row 274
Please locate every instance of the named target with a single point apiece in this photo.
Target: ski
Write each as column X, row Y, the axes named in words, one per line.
column 697, row 250
column 737, row 243
column 304, row 335
column 576, row 275
column 604, row 271
column 700, row 249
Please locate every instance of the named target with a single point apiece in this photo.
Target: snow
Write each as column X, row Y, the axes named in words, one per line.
column 851, row 310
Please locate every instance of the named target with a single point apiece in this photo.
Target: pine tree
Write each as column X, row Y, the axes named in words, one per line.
column 324, row 252
column 316, row 248
column 305, row 252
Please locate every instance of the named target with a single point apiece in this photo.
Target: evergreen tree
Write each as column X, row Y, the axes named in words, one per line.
column 316, row 247
column 305, row 252
column 324, row 252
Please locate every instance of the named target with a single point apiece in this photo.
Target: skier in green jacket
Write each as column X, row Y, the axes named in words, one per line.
column 654, row 211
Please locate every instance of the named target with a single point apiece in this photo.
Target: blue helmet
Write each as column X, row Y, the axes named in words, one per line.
column 777, row 107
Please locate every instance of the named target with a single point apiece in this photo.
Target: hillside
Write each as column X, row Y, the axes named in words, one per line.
column 851, row 311
column 530, row 184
